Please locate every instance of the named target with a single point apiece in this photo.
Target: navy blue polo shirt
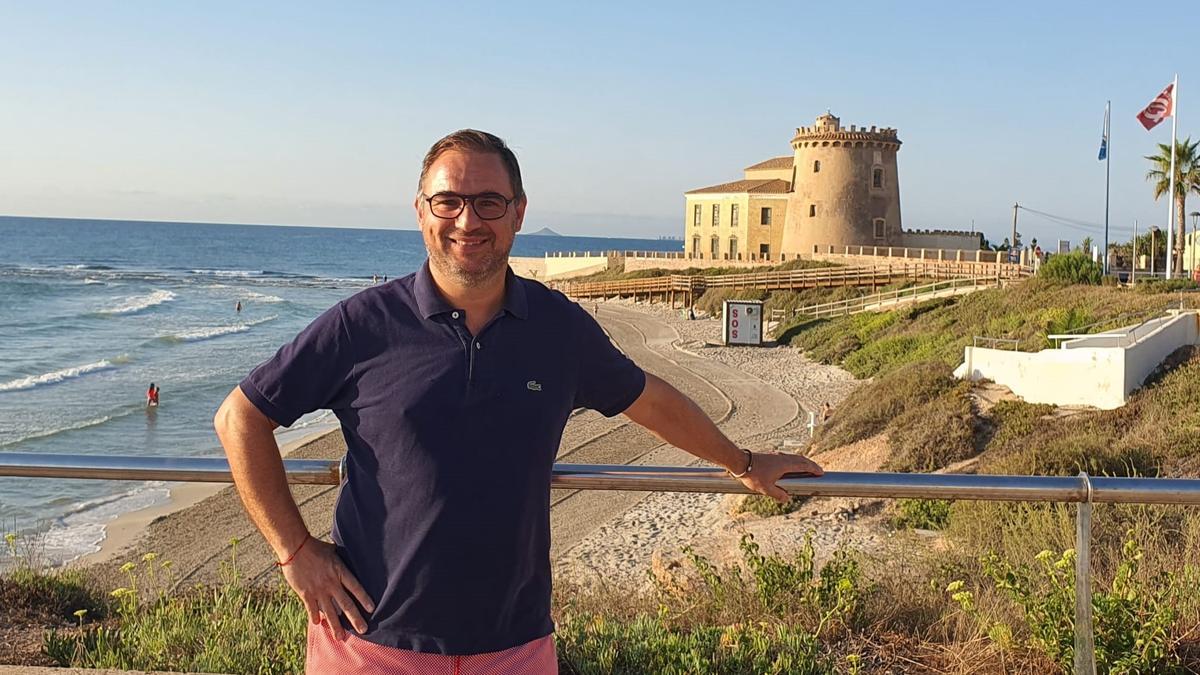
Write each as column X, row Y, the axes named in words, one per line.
column 445, row 514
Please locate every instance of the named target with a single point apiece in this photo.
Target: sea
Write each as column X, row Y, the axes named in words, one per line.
column 93, row 311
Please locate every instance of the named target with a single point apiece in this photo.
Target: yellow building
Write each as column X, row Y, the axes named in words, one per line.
column 839, row 187
column 742, row 220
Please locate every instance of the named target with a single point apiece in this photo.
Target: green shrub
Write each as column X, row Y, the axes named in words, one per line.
column 1131, row 619
column 712, row 301
column 31, row 597
column 234, row 628
column 921, row 514
column 1071, row 268
column 1062, row 321
column 762, row 505
column 934, row 434
column 873, row 406
column 767, row 616
column 591, row 644
column 1156, row 285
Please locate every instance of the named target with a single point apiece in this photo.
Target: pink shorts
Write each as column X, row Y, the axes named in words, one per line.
column 353, row 655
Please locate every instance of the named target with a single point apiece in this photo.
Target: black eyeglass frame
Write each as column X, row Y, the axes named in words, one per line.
column 467, row 198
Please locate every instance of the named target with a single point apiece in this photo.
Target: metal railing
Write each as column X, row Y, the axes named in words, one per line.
column 889, row 299
column 1082, row 490
column 991, row 342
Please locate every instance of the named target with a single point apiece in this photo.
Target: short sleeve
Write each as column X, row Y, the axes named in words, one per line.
column 309, row 373
column 609, row 381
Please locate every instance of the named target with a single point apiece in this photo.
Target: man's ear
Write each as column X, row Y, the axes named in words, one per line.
column 520, row 205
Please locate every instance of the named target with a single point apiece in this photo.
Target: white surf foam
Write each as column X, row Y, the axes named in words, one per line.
column 216, row 331
column 137, row 303
column 81, row 530
column 96, row 421
column 252, row 296
column 57, row 376
column 230, row 273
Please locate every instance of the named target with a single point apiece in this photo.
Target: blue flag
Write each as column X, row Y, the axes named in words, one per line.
column 1104, row 137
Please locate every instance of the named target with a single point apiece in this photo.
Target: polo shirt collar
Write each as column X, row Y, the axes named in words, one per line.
column 431, row 303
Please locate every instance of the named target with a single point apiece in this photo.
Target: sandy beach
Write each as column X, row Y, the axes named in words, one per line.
column 127, row 529
column 760, row 395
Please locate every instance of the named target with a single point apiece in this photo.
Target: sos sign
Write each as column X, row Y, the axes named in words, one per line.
column 743, row 322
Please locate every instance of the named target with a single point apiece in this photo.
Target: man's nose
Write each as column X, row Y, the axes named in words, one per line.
column 468, row 219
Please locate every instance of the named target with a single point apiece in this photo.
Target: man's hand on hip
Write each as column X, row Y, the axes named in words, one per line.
column 768, row 467
column 325, row 586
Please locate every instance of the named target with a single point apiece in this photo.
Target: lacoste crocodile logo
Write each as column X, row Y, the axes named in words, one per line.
column 533, row 385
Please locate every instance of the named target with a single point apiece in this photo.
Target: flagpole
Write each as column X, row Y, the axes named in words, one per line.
column 1171, row 183
column 1107, row 160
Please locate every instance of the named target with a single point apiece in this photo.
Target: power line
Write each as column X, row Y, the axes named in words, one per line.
column 1074, row 224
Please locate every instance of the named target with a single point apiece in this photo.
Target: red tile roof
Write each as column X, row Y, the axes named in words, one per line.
column 774, row 163
column 758, row 186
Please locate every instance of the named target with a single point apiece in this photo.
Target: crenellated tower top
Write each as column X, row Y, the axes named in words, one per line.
column 828, row 131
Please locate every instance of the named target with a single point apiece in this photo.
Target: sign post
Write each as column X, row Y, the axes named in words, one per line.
column 743, row 323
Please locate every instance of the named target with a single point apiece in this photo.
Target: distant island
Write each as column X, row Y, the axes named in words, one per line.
column 544, row 232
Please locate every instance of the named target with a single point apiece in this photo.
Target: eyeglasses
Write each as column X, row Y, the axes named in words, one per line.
column 487, row 205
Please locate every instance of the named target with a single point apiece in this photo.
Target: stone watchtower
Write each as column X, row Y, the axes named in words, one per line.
column 845, row 188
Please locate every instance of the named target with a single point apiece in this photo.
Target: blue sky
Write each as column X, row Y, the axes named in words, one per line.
column 306, row 114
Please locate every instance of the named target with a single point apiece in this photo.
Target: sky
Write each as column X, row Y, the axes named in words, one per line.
column 298, row 113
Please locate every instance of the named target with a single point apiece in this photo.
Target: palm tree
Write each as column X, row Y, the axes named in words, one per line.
column 1187, row 179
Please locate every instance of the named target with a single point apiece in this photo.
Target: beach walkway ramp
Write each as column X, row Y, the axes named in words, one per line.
column 888, row 300
column 1098, row 370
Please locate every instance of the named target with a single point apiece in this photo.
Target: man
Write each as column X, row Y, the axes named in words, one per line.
column 453, row 386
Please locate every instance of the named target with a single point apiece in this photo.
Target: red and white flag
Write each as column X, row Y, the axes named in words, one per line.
column 1162, row 107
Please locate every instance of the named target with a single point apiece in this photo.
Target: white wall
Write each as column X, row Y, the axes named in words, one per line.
column 1144, row 357
column 1092, row 377
column 1099, row 371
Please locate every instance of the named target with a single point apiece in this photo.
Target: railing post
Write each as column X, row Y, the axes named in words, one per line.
column 1085, row 646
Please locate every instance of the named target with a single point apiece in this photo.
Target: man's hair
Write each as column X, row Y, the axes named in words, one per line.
column 473, row 140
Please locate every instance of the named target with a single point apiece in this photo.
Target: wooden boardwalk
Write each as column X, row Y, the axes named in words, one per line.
column 686, row 288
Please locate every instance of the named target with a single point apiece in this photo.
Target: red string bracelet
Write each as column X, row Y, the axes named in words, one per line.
column 291, row 557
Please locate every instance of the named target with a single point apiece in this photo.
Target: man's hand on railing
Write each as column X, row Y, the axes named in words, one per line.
column 767, row 468
column 325, row 586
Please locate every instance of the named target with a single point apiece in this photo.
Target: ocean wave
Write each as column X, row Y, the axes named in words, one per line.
column 81, row 529
column 252, row 296
column 108, row 506
column 54, row 377
column 137, row 303
column 231, row 273
column 214, row 331
column 97, row 421
column 89, row 281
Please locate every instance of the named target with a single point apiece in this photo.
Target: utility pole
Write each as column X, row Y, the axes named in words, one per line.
column 1192, row 270
column 1012, row 243
column 1133, row 268
column 1153, row 245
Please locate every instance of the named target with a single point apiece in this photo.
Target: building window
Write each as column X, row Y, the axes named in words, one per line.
column 880, row 228
column 696, row 246
column 716, row 248
column 716, row 215
column 764, row 251
column 733, row 215
column 816, row 166
column 812, row 210
column 877, row 178
column 733, row 253
column 765, row 217
column 696, row 216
